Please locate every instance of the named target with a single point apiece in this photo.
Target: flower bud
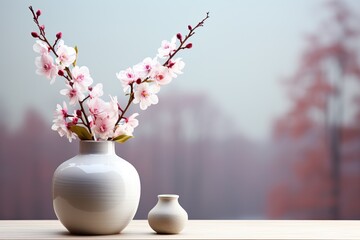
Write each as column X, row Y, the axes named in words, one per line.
column 38, row 13
column 75, row 121
column 189, row 45
column 35, row 34
column 189, row 27
column 78, row 113
column 59, row 35
column 179, row 36
column 138, row 81
column 61, row 73
column 170, row 64
column 90, row 88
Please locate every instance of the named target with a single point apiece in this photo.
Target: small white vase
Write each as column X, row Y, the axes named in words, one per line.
column 96, row 192
column 167, row 217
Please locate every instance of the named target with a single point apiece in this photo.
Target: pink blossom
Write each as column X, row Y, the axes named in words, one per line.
column 175, row 67
column 101, row 109
column 96, row 91
column 127, row 126
column 120, row 129
column 96, row 107
column 161, row 75
column 74, row 93
column 66, row 55
column 146, row 95
column 81, row 77
column 62, row 127
column 41, row 47
column 127, row 77
column 46, row 67
column 132, row 121
column 61, row 112
column 103, row 127
column 144, row 68
column 113, row 109
column 167, row 48
column 74, row 118
column 59, row 123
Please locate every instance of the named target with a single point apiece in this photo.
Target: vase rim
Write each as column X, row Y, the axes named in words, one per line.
column 168, row 196
column 96, row 147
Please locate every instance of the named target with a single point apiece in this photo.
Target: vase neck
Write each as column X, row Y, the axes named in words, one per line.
column 168, row 197
column 97, row 147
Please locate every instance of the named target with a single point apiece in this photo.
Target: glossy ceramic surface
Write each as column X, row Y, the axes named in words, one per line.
column 96, row 192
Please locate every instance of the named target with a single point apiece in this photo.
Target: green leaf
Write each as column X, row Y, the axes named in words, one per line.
column 122, row 138
column 81, row 132
column 76, row 50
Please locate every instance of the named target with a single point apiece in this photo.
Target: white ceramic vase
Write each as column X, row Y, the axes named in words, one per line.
column 167, row 217
column 96, row 192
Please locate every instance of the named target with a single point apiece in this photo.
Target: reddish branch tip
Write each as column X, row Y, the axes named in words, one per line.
column 38, row 13
column 42, row 27
column 189, row 45
column 189, row 27
column 179, row 36
column 35, row 34
column 59, row 35
column 61, row 73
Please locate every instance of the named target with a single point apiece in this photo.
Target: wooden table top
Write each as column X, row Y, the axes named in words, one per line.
column 195, row 229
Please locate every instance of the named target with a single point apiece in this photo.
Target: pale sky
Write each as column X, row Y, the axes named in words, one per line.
column 238, row 58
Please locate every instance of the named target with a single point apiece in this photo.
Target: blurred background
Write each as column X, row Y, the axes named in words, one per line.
column 263, row 124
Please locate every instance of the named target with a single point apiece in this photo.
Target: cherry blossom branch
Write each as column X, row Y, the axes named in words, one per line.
column 171, row 55
column 181, row 47
column 131, row 98
column 69, row 76
column 86, row 123
column 140, row 88
column 42, row 36
column 182, row 42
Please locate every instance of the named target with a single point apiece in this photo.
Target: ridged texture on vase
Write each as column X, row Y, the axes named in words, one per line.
column 167, row 217
column 96, row 192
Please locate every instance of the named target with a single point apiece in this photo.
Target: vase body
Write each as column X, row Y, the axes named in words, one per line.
column 96, row 192
column 167, row 217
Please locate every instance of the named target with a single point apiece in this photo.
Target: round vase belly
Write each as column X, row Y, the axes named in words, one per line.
column 167, row 217
column 96, row 192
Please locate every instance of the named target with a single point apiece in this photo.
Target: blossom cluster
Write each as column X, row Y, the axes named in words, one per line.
column 94, row 118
